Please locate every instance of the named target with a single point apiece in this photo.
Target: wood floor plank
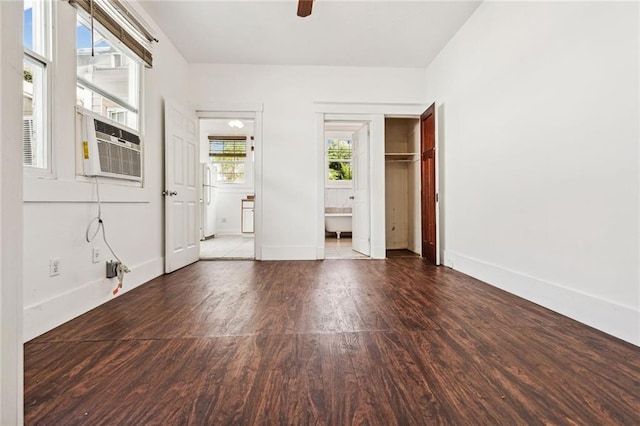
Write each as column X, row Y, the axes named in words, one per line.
column 331, row 343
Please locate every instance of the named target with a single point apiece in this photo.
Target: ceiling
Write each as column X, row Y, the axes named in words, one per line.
column 372, row 33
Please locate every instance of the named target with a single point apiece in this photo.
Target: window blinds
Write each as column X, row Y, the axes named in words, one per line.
column 120, row 22
column 227, row 146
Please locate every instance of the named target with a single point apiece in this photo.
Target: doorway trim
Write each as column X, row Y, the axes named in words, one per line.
column 374, row 113
column 254, row 112
column 363, row 122
column 374, row 128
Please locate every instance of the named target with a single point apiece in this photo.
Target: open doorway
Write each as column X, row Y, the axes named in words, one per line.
column 346, row 190
column 227, row 201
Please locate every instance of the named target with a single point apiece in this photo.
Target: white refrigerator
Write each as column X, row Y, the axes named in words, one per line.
column 208, row 201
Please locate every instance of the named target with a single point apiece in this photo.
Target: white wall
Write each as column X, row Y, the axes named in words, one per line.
column 537, row 107
column 290, row 159
column 11, row 358
column 57, row 210
column 338, row 197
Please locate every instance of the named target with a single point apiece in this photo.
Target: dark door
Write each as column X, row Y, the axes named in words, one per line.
column 428, row 179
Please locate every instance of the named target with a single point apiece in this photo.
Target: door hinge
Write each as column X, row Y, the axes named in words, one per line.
column 437, row 197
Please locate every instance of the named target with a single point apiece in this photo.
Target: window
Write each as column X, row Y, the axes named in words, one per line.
column 35, row 85
column 118, row 115
column 108, row 77
column 229, row 156
column 339, row 160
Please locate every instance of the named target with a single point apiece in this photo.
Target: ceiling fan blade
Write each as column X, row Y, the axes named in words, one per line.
column 304, row 8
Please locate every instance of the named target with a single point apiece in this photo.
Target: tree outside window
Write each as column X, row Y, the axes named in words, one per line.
column 339, row 159
column 229, row 156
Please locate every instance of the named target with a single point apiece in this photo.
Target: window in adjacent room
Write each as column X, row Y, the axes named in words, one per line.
column 109, row 82
column 228, row 154
column 36, row 99
column 339, row 160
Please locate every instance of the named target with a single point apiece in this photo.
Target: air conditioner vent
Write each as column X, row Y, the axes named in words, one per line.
column 110, row 149
column 27, row 139
column 108, row 130
column 118, row 159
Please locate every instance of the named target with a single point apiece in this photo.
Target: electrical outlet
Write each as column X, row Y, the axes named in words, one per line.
column 112, row 269
column 96, row 255
column 54, row 266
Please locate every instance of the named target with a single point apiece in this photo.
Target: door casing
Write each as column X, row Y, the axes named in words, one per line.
column 251, row 111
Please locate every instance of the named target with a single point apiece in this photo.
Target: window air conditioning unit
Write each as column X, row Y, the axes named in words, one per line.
column 109, row 148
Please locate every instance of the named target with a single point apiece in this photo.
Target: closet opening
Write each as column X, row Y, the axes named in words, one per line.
column 402, row 187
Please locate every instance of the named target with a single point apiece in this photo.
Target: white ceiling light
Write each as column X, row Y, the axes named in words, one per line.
column 236, row 123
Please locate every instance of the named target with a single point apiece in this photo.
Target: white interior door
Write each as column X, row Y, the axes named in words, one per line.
column 361, row 220
column 182, row 229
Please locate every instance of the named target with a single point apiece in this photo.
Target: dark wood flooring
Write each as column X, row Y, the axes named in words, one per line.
column 400, row 253
column 328, row 342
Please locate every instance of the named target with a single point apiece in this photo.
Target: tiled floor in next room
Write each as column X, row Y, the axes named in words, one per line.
column 228, row 247
column 340, row 249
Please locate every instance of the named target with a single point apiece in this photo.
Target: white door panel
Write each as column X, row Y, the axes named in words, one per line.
column 191, row 165
column 361, row 220
column 181, row 188
column 178, row 161
column 178, row 224
column 192, row 224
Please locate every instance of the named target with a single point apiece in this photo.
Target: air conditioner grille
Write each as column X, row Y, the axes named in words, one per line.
column 111, row 130
column 27, row 141
column 118, row 159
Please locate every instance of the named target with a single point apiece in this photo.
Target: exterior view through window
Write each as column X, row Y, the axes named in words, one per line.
column 339, row 159
column 108, row 83
column 229, row 155
column 35, row 85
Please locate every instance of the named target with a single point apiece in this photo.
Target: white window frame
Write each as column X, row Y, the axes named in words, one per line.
column 138, row 90
column 336, row 183
column 42, row 15
column 247, row 158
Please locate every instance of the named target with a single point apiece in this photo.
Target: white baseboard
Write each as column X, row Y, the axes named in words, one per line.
column 289, row 252
column 49, row 314
column 612, row 318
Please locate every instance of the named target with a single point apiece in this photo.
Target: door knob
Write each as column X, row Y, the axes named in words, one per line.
column 352, row 197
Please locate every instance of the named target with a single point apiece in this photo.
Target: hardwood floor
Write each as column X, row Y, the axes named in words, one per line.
column 327, row 342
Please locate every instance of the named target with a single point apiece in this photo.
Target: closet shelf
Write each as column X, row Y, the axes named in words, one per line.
column 403, row 157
